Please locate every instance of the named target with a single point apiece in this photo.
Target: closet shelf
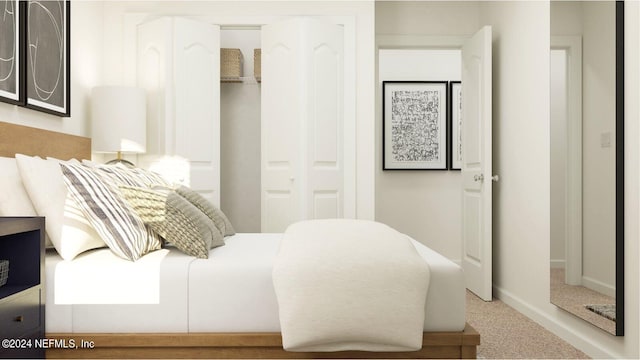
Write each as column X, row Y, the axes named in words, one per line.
column 246, row 80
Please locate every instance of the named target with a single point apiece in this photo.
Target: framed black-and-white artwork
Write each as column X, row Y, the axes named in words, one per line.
column 455, row 125
column 414, row 125
column 12, row 51
column 48, row 56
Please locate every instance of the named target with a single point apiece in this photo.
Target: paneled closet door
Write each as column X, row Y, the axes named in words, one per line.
column 281, row 110
column 324, row 122
column 302, row 122
column 196, row 77
column 154, row 73
column 179, row 66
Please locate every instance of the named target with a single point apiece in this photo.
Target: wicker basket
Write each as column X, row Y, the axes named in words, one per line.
column 4, row 271
column 257, row 64
column 230, row 64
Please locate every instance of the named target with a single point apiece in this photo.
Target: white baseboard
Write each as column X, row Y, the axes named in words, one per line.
column 558, row 264
column 598, row 286
column 564, row 331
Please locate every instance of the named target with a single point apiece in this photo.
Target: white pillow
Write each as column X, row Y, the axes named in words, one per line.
column 14, row 200
column 67, row 227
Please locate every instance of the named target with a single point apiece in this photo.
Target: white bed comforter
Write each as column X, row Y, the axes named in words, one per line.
column 349, row 285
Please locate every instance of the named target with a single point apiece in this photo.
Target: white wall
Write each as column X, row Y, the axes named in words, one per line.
column 521, row 147
column 558, row 133
column 423, row 204
column 630, row 347
column 240, row 138
column 448, row 18
column 86, row 72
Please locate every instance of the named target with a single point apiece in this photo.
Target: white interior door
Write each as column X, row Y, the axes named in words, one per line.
column 178, row 64
column 281, row 130
column 324, row 196
column 154, row 64
column 476, row 164
column 196, row 76
column 302, row 122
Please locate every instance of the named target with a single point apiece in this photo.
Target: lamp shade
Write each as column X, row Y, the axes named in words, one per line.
column 119, row 119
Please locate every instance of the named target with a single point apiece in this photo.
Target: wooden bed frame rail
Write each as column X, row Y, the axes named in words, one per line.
column 435, row 345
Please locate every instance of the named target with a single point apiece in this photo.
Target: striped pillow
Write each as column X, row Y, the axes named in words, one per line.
column 122, row 175
column 114, row 220
column 175, row 219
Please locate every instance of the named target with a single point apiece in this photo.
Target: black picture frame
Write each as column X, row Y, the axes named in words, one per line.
column 408, row 144
column 48, row 68
column 455, row 125
column 12, row 51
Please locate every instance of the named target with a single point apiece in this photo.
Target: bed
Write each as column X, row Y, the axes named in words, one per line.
column 195, row 308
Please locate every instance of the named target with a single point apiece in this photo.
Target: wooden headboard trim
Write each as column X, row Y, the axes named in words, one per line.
column 19, row 139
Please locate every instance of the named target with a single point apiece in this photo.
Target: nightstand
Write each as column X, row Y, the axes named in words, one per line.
column 22, row 298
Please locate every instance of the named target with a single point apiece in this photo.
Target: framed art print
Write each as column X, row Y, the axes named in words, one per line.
column 455, row 125
column 47, row 56
column 414, row 125
column 12, row 51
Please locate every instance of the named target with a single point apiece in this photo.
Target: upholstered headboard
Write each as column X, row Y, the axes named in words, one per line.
column 18, row 139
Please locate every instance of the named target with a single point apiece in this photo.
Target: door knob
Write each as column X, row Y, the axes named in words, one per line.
column 478, row 177
column 495, row 178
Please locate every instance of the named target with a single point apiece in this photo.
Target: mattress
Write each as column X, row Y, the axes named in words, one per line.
column 232, row 291
column 100, row 292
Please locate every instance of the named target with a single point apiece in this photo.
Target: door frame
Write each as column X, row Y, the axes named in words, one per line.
column 573, row 180
column 408, row 42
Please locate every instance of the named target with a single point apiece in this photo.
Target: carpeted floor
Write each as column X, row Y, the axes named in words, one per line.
column 507, row 334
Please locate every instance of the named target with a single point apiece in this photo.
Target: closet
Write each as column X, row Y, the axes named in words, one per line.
column 302, row 116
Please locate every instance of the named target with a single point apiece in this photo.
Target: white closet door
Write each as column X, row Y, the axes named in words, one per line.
column 324, row 126
column 302, row 122
column 154, row 75
column 196, row 76
column 281, row 130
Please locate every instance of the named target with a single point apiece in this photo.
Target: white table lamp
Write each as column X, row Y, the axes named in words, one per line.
column 119, row 121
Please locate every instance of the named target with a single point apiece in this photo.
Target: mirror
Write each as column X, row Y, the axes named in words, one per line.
column 587, row 174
